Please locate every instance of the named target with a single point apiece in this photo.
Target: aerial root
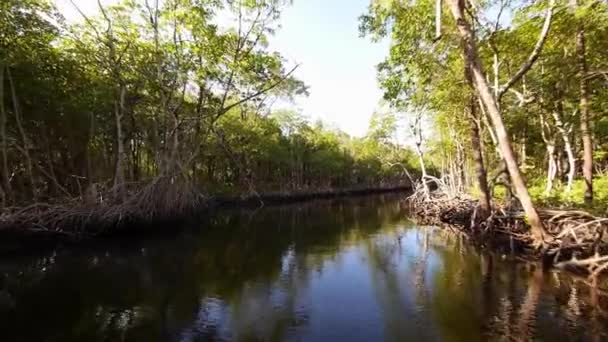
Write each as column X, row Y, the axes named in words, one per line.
column 575, row 239
column 164, row 197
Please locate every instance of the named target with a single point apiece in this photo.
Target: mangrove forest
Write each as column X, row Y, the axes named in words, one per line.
column 226, row 170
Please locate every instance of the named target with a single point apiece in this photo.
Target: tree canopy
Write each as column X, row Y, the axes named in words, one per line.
column 148, row 89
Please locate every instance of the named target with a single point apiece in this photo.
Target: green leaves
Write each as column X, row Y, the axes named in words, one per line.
column 176, row 89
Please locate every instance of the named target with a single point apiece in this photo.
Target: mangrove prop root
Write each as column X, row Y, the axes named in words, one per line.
column 164, row 197
column 576, row 241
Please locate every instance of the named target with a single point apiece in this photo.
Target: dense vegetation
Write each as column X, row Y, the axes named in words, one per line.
column 521, row 85
column 151, row 92
column 165, row 94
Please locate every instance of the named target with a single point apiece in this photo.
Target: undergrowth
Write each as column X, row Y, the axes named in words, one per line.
column 559, row 197
column 575, row 198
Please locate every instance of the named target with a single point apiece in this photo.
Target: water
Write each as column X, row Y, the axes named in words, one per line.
column 350, row 270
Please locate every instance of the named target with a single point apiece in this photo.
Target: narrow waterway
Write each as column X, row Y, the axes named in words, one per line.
column 351, row 270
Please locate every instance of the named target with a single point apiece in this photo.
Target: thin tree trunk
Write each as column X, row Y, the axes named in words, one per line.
column 119, row 171
column 559, row 157
column 524, row 152
column 172, row 164
column 504, row 142
column 571, row 164
column 26, row 146
column 567, row 147
column 3, row 202
column 422, row 169
column 461, row 166
column 551, row 169
column 548, row 136
column 88, row 150
column 5, row 170
column 416, row 129
column 480, row 170
column 585, row 115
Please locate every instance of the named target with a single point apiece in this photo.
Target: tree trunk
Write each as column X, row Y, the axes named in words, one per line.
column 171, row 159
column 416, row 129
column 571, row 164
column 504, row 142
column 422, row 169
column 548, row 136
column 585, row 115
column 89, row 157
column 460, row 157
column 551, row 169
column 524, row 152
column 6, row 184
column 25, row 150
column 119, row 171
column 480, row 170
column 480, row 173
column 567, row 146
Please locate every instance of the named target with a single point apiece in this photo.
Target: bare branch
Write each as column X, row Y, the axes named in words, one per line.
column 88, row 21
column 595, row 74
column 535, row 52
column 438, row 12
column 258, row 93
column 523, row 100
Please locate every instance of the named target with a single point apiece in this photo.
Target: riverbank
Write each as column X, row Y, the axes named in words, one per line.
column 575, row 240
column 158, row 206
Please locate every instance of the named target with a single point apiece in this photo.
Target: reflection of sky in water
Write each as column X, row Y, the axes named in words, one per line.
column 343, row 304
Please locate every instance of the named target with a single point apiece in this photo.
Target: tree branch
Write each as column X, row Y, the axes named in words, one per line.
column 598, row 73
column 438, row 12
column 535, row 52
column 258, row 93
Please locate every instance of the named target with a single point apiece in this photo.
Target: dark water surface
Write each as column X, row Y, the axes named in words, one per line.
column 345, row 270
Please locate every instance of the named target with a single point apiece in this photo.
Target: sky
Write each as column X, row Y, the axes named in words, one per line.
column 338, row 66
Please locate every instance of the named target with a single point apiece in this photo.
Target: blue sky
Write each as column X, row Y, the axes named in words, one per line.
column 338, row 66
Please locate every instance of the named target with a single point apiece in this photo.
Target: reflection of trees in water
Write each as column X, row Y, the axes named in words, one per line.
column 527, row 311
column 517, row 322
column 246, row 276
column 551, row 305
column 398, row 264
column 211, row 285
column 439, row 288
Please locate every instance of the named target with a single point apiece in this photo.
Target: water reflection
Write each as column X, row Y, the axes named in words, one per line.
column 351, row 270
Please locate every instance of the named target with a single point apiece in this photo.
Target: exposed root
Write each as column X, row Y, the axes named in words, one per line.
column 164, row 197
column 575, row 240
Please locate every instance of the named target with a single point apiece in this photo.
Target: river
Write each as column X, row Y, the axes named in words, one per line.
column 342, row 270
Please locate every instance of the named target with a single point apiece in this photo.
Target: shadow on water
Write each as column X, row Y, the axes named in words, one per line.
column 350, row 269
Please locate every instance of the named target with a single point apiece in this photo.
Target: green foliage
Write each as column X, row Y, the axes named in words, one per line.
column 284, row 152
column 137, row 91
column 559, row 197
column 541, row 111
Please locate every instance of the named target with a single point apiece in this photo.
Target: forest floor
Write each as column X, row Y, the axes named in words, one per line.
column 576, row 239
